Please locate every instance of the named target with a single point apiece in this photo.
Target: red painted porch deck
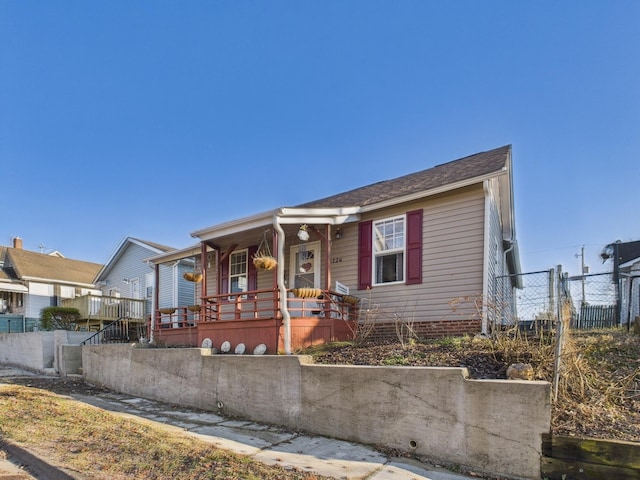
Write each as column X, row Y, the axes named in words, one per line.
column 254, row 318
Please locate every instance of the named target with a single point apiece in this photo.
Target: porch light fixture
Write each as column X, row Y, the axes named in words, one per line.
column 125, row 281
column 338, row 233
column 303, row 235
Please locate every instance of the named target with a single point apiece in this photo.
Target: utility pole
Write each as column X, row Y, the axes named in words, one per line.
column 583, row 270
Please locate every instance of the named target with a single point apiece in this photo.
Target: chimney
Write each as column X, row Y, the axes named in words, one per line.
column 17, row 243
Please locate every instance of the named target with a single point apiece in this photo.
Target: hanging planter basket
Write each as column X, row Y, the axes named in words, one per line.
column 350, row 299
column 264, row 262
column 194, row 308
column 262, row 259
column 167, row 311
column 192, row 276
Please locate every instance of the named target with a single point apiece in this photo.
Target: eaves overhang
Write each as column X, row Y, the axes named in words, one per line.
column 235, row 226
column 327, row 216
column 57, row 281
column 431, row 192
column 13, row 287
column 175, row 255
column 285, row 215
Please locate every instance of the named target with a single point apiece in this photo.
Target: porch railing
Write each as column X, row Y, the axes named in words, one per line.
column 96, row 307
column 119, row 331
column 258, row 304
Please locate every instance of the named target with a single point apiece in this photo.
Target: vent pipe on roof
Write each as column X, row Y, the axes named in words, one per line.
column 17, row 243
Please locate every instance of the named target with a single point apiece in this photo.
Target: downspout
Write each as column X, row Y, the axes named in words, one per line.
column 286, row 317
column 504, row 267
column 156, row 301
column 485, row 267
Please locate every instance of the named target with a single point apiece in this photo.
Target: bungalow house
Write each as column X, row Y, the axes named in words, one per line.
column 31, row 281
column 419, row 253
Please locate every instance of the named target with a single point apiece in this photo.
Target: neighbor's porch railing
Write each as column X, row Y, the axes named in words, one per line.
column 258, row 304
column 96, row 307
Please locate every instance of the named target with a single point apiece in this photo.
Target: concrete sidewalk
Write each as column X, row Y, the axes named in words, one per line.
column 270, row 445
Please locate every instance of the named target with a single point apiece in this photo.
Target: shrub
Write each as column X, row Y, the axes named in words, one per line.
column 59, row 318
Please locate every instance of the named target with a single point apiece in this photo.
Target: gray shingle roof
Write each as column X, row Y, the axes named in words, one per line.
column 477, row 165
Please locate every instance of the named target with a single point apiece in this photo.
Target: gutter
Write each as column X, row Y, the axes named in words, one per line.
column 57, row 281
column 286, row 316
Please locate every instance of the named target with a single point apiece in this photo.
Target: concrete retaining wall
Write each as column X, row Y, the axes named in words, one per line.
column 38, row 351
column 492, row 426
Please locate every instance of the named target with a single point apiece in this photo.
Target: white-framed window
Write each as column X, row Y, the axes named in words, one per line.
column 238, row 267
column 113, row 295
column 67, row 292
column 149, row 280
column 389, row 244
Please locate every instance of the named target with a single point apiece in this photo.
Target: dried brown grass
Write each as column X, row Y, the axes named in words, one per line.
column 101, row 445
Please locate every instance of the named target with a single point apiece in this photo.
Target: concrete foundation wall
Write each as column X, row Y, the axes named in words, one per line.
column 38, row 351
column 492, row 426
column 34, row 351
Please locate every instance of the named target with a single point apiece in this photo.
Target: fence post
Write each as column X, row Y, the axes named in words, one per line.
column 559, row 334
column 551, row 289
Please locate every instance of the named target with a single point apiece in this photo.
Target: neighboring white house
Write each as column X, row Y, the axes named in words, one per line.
column 31, row 281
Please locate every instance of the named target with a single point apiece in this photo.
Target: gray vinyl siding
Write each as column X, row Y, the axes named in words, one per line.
column 188, row 292
column 130, row 265
column 452, row 261
column 495, row 257
column 166, row 290
column 174, row 289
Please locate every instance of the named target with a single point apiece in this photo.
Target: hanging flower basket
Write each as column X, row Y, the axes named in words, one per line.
column 264, row 262
column 194, row 308
column 167, row 311
column 306, row 292
column 262, row 259
column 350, row 299
column 192, row 276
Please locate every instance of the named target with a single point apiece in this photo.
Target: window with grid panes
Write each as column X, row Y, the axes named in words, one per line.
column 389, row 250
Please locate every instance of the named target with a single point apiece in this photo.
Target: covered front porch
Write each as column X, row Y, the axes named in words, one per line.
column 255, row 319
column 261, row 281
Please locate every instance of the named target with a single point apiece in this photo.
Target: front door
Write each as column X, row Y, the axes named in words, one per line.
column 305, row 265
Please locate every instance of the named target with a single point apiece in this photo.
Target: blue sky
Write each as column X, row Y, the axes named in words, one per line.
column 157, row 118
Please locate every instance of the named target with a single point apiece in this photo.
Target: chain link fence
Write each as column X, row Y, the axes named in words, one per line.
column 531, row 300
column 593, row 300
column 526, row 300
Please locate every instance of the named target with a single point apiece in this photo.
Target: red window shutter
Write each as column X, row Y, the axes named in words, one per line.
column 414, row 247
column 224, row 276
column 252, row 271
column 365, row 252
